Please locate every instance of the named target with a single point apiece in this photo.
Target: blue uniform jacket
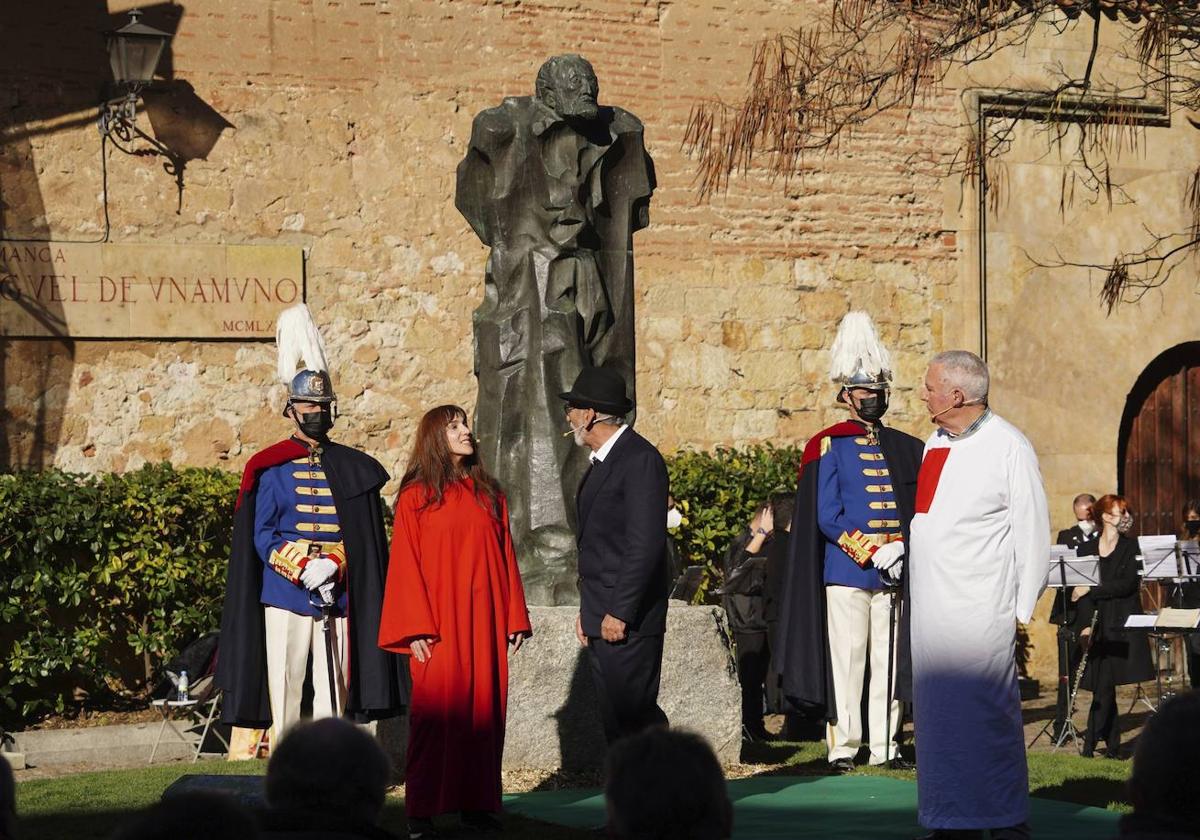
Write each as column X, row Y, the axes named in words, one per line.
column 294, row 503
column 856, row 505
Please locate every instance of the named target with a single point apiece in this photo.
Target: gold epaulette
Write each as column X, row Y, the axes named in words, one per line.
column 289, row 560
column 858, row 546
column 861, row 547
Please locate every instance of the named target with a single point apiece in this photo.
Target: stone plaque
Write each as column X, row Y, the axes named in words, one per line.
column 67, row 290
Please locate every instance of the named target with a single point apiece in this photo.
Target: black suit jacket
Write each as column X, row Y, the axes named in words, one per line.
column 622, row 538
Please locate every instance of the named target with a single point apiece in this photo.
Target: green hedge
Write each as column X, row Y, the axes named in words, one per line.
column 717, row 493
column 102, row 578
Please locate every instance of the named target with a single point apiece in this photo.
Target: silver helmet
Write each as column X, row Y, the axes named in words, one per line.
column 858, row 358
column 864, row 378
column 313, row 386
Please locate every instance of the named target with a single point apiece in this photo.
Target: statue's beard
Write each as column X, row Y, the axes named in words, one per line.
column 578, row 108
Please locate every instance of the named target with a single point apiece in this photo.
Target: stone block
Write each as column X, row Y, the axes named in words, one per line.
column 392, row 734
column 248, row 791
column 119, row 744
column 553, row 719
column 15, row 760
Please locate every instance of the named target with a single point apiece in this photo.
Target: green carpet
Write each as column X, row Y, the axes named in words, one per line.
column 830, row 807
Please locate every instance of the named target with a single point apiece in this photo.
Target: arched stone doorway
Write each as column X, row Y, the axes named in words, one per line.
column 1158, row 452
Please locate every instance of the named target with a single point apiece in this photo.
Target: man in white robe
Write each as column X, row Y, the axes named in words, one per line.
column 980, row 539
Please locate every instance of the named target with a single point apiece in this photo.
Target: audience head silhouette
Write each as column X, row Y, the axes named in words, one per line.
column 330, row 767
column 666, row 785
column 1166, row 776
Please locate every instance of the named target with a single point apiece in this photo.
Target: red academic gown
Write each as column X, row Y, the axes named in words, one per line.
column 453, row 576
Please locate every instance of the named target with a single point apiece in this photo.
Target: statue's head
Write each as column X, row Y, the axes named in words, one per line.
column 566, row 84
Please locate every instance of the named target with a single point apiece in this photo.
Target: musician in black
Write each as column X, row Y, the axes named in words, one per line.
column 1113, row 656
column 1069, row 621
column 1190, row 530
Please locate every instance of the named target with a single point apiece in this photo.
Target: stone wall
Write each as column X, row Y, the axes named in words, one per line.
column 347, row 123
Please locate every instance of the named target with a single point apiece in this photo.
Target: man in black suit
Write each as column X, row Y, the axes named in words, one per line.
column 622, row 542
column 1070, row 620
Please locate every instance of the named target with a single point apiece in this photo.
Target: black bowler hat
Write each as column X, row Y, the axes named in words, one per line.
column 600, row 388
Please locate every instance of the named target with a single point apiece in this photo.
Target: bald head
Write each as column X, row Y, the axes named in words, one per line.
column 567, row 85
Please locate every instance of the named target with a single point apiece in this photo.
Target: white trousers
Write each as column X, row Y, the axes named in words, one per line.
column 290, row 638
column 857, row 620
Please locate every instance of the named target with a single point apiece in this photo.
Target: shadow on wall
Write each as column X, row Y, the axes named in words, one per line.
column 580, row 732
column 56, row 73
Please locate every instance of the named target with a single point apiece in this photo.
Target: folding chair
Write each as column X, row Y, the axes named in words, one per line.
column 200, row 709
column 197, row 712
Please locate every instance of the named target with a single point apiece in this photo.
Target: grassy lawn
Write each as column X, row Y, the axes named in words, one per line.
column 88, row 806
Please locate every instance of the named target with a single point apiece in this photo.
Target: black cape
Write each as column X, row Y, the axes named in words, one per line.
column 376, row 686
column 801, row 646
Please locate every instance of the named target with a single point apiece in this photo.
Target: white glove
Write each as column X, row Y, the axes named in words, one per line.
column 326, row 591
column 888, row 555
column 317, row 571
column 892, row 574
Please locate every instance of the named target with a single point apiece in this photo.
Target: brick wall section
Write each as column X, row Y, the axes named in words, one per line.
column 349, row 119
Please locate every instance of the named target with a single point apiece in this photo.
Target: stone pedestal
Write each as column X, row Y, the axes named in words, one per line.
column 553, row 720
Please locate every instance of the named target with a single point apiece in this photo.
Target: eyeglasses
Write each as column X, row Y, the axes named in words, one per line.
column 568, row 408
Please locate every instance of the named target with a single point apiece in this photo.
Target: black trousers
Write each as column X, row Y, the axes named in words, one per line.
column 1074, row 653
column 753, row 663
column 1103, row 722
column 626, row 676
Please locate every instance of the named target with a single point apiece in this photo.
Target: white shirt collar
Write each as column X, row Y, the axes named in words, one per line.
column 602, row 453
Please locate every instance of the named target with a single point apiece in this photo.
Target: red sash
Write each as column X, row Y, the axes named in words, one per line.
column 929, row 476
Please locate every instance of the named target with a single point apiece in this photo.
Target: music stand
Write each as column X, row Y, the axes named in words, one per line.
column 1188, row 554
column 1173, row 563
column 1067, row 570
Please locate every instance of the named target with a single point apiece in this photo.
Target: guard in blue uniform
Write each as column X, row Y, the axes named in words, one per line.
column 307, row 564
column 299, row 538
column 841, row 602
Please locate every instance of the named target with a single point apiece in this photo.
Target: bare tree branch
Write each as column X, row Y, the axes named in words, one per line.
column 811, row 88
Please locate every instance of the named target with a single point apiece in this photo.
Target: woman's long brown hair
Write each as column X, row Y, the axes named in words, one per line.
column 432, row 465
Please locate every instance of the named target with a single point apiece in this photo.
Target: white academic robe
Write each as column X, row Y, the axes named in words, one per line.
column 978, row 563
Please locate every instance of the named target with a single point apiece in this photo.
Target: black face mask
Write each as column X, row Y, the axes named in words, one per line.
column 873, row 408
column 315, row 424
column 1193, row 527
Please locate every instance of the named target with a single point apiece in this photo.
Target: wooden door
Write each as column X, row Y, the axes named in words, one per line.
column 1159, row 449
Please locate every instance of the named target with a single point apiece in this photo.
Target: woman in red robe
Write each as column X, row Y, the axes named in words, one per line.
column 454, row 601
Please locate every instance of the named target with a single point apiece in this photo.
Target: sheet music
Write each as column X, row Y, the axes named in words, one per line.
column 1167, row 622
column 1080, row 571
column 1177, row 618
column 1158, row 557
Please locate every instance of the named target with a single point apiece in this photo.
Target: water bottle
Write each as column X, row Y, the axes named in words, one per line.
column 183, row 686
